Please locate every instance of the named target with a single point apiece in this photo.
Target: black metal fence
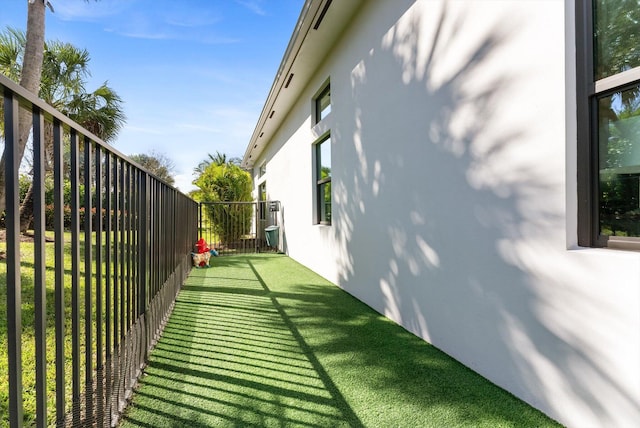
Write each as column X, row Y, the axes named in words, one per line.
column 239, row 227
column 101, row 292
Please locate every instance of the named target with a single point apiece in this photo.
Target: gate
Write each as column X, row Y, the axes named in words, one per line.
column 238, row 227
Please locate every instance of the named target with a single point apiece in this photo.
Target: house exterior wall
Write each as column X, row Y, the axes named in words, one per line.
column 454, row 199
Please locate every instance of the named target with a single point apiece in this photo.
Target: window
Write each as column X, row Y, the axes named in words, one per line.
column 323, row 180
column 608, row 65
column 323, row 104
column 262, row 200
column 262, row 170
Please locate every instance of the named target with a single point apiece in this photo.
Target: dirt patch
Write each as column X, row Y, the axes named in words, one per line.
column 24, row 237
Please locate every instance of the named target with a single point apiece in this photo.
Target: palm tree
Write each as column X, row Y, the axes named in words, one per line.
column 30, row 75
column 12, row 43
column 30, row 72
column 100, row 112
column 226, row 182
column 65, row 69
column 217, row 159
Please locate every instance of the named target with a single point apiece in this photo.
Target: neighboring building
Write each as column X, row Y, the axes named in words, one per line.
column 449, row 164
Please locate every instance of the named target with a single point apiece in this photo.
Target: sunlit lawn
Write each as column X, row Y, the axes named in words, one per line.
column 28, row 333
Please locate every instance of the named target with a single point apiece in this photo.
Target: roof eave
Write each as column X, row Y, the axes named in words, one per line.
column 297, row 66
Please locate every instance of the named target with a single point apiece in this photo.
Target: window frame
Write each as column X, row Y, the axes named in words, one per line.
column 317, row 103
column 262, row 200
column 320, row 183
column 589, row 91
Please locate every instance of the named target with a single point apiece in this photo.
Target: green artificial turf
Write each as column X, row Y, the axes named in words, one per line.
column 260, row 340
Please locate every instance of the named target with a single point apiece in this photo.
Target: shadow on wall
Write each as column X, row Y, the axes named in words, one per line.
column 285, row 243
column 456, row 231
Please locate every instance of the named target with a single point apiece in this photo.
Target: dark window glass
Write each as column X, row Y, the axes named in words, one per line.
column 323, row 104
column 619, row 160
column 325, row 202
column 325, row 158
column 262, row 200
column 323, row 180
column 608, row 107
column 616, row 36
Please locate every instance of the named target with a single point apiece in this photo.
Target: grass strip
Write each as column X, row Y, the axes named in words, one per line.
column 260, row 340
column 28, row 327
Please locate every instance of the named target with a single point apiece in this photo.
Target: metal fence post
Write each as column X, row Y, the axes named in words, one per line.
column 40, row 290
column 88, row 274
column 12, row 221
column 58, row 202
column 148, row 229
column 75, row 278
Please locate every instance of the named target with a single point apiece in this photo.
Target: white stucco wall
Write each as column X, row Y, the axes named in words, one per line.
column 454, row 200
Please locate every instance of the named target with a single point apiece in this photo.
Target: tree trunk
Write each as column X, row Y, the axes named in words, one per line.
column 29, row 79
column 26, row 210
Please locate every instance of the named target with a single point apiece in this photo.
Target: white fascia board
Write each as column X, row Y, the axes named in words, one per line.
column 309, row 45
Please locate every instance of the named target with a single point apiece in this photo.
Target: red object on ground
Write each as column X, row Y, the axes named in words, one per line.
column 201, row 246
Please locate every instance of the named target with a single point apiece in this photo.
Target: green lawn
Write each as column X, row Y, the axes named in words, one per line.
column 28, row 333
column 259, row 340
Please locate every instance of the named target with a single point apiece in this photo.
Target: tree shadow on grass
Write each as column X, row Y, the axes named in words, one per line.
column 230, row 356
column 301, row 351
column 386, row 375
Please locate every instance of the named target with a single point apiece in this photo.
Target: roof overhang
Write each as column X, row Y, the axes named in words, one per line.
column 319, row 26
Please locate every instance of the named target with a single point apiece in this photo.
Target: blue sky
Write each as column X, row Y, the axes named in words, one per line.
column 193, row 74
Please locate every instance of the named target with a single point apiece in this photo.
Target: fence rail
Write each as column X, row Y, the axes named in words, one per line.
column 129, row 238
column 238, row 227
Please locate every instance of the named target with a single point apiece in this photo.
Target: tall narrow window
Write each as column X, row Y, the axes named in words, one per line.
column 262, row 200
column 323, row 180
column 323, row 104
column 608, row 121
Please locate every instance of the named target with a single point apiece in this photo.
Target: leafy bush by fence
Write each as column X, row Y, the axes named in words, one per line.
column 231, row 221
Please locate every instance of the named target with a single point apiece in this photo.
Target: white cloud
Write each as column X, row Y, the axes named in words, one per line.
column 253, row 5
column 146, row 19
column 143, row 130
column 190, row 18
column 141, row 35
column 198, row 127
column 183, row 182
column 90, row 11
